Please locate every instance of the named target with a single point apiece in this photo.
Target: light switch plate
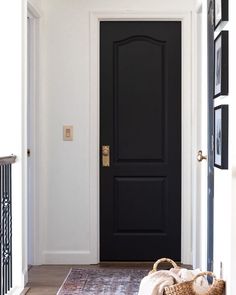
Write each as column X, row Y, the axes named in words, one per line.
column 67, row 133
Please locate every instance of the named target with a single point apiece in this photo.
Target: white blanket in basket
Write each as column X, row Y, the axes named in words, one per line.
column 155, row 283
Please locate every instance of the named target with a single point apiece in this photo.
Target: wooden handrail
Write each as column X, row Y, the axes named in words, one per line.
column 7, row 160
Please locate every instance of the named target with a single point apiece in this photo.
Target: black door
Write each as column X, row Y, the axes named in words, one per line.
column 140, row 121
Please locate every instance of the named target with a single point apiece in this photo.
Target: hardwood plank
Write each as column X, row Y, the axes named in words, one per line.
column 46, row 279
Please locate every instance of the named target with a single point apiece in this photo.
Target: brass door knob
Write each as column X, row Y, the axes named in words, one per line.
column 200, row 156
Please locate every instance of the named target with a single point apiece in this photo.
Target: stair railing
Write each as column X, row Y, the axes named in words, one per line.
column 6, row 223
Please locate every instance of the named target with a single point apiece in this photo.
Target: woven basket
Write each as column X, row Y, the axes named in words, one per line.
column 187, row 288
column 155, row 265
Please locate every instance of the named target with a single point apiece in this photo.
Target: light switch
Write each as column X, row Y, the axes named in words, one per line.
column 68, row 133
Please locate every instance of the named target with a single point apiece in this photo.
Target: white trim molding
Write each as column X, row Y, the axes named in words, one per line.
column 34, row 15
column 187, row 86
column 16, row 291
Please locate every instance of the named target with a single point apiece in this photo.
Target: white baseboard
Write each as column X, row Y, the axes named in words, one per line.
column 68, row 257
column 25, row 276
column 15, row 291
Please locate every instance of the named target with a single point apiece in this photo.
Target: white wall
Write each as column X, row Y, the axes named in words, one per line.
column 12, row 123
column 64, row 99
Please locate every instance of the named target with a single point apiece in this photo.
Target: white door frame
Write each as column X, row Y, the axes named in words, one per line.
column 188, row 130
column 34, row 15
column 200, row 170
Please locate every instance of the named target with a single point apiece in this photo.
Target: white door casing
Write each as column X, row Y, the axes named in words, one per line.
column 188, row 129
column 199, row 205
column 32, row 134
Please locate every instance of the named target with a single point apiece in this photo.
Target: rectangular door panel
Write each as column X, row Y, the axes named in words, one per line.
column 139, row 205
column 137, row 108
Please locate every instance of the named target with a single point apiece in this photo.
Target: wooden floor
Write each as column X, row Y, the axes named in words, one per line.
column 47, row 279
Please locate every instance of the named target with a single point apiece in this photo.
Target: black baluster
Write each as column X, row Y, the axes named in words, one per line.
column 10, row 225
column 1, row 230
column 7, row 227
column 4, row 231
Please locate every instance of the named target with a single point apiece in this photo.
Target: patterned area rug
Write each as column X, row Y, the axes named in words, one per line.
column 102, row 281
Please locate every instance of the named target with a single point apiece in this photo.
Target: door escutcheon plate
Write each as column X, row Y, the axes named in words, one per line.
column 105, row 156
